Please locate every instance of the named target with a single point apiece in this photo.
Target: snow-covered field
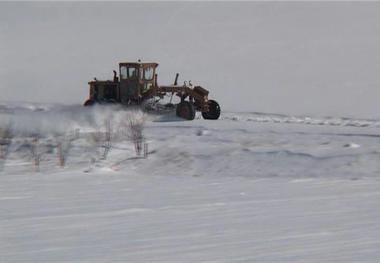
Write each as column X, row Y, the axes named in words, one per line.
column 250, row 187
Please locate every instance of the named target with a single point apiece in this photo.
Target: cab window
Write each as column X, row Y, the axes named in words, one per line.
column 123, row 72
column 132, row 73
column 128, row 72
column 148, row 73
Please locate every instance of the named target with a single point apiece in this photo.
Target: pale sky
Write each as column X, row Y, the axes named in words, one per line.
column 318, row 58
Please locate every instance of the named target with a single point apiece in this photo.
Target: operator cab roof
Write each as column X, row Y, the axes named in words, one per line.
column 139, row 64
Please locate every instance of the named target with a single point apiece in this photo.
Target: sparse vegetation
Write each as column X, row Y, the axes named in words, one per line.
column 57, row 145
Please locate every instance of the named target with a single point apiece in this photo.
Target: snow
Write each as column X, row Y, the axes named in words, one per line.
column 250, row 187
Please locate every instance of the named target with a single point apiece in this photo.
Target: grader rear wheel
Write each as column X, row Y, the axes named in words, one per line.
column 214, row 111
column 186, row 110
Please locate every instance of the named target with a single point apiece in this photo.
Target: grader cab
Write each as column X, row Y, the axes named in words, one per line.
column 137, row 82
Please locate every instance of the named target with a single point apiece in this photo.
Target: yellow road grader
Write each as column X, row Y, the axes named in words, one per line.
column 137, row 83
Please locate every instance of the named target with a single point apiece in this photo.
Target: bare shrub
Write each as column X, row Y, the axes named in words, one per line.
column 131, row 127
column 93, row 140
column 107, row 139
column 145, row 150
column 64, row 144
column 6, row 137
column 134, row 131
column 36, row 154
column 5, row 140
column 99, row 142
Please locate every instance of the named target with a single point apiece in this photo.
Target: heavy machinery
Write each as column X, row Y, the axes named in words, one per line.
column 138, row 84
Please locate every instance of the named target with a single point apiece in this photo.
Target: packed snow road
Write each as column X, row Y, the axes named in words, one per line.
column 232, row 190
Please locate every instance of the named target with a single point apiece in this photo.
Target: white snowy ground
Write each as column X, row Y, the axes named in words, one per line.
column 247, row 188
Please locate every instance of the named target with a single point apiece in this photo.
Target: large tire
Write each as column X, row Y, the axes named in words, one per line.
column 186, row 110
column 214, row 111
column 89, row 103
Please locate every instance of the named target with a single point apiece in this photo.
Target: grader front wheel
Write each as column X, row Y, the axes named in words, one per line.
column 186, row 110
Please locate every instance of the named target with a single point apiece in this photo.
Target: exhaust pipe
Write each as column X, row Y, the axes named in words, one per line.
column 115, row 78
column 176, row 79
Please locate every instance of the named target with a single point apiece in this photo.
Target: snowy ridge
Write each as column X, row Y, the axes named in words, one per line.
column 24, row 107
column 280, row 118
column 275, row 147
